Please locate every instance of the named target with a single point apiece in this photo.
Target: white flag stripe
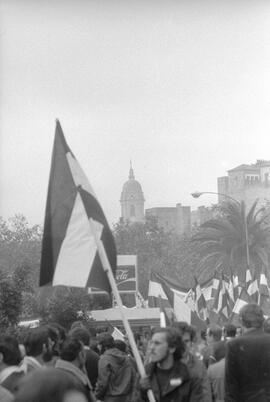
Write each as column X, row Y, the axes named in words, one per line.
column 79, row 177
column 78, row 249
column 263, row 280
column 162, row 320
column 248, row 276
column 238, row 305
column 181, row 310
column 155, row 290
column 117, row 334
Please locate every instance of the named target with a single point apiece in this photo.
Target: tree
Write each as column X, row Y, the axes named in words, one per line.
column 10, row 303
column 222, row 242
column 158, row 251
column 67, row 305
column 20, row 244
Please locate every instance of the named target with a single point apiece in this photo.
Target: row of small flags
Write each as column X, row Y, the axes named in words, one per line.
column 231, row 294
column 227, row 296
column 187, row 304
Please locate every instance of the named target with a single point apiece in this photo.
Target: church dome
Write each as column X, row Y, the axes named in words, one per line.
column 132, row 188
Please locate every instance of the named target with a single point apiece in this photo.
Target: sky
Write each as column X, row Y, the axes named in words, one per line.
column 181, row 88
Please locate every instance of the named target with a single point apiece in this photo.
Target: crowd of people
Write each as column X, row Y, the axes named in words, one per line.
column 49, row 364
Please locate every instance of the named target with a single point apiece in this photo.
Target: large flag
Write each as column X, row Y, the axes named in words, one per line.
column 69, row 253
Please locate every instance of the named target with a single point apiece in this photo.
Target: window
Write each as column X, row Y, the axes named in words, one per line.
column 132, row 210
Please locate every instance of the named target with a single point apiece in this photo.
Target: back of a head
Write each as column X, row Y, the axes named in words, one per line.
column 121, row 345
column 215, row 331
column 35, row 339
column 219, row 350
column 80, row 333
column 230, row 330
column 70, row 349
column 184, row 327
column 50, row 385
column 105, row 340
column 9, row 348
column 251, row 316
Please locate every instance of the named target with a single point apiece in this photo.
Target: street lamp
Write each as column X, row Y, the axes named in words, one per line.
column 197, row 194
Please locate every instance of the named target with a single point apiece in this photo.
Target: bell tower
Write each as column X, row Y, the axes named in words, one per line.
column 132, row 199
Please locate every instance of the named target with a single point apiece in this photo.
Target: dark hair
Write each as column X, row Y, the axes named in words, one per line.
column 215, row 331
column 251, row 316
column 184, row 328
column 219, row 350
column 105, row 340
column 81, row 334
column 35, row 339
column 230, row 330
column 121, row 345
column 70, row 349
column 9, row 348
column 61, row 331
column 174, row 340
column 47, row 385
column 203, row 334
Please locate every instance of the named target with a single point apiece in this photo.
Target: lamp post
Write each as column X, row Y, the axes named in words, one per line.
column 197, row 194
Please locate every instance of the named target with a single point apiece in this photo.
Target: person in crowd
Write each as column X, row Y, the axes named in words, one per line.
column 38, row 347
column 72, row 361
column 166, row 374
column 266, row 325
column 216, row 372
column 93, row 344
column 10, row 358
column 61, row 337
column 121, row 345
column 195, row 366
column 116, row 373
column 50, row 385
column 91, row 357
column 229, row 332
column 239, row 331
column 213, row 335
column 247, row 364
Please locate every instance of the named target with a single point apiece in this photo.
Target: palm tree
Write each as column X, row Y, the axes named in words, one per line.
column 222, row 242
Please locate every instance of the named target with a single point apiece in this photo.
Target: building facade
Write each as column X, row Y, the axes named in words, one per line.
column 176, row 219
column 247, row 183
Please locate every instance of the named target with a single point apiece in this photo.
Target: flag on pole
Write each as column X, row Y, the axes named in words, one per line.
column 69, row 253
column 200, row 302
column 117, row 334
column 263, row 287
column 242, row 300
column 173, row 295
column 221, row 303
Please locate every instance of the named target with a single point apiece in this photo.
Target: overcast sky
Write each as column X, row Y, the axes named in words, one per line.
column 182, row 88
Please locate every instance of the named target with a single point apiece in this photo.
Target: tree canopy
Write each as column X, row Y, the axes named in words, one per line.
column 233, row 239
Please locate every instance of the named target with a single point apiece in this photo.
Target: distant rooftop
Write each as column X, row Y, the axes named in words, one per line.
column 253, row 166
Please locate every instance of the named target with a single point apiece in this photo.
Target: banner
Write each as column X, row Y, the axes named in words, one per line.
column 125, row 275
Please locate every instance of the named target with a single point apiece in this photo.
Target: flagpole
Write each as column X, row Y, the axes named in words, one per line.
column 107, row 268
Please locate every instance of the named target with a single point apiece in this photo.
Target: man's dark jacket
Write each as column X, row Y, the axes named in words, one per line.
column 247, row 369
column 180, row 386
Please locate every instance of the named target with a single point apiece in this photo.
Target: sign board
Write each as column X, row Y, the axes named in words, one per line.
column 125, row 276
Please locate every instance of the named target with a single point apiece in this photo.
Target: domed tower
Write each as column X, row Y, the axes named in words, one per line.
column 132, row 199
